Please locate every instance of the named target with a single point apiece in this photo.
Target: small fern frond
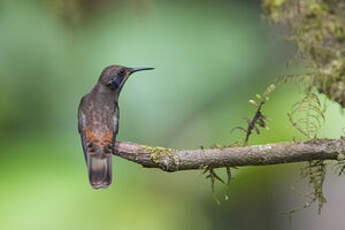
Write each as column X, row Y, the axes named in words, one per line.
column 315, row 172
column 307, row 115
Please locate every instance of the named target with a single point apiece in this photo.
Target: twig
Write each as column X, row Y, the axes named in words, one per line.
column 175, row 160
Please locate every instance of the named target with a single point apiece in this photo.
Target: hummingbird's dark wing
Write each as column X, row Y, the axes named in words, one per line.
column 116, row 118
column 82, row 128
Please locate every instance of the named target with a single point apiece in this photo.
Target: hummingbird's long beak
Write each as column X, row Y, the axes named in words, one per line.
column 132, row 70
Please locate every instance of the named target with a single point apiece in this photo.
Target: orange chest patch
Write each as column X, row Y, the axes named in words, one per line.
column 101, row 138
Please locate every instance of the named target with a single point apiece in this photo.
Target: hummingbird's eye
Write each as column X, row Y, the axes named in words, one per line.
column 122, row 72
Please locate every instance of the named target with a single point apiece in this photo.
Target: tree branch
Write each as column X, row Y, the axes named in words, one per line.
column 175, row 160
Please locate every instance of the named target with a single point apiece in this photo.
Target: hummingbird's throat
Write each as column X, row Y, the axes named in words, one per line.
column 115, row 83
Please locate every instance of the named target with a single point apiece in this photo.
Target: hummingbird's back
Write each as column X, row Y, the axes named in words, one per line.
column 98, row 123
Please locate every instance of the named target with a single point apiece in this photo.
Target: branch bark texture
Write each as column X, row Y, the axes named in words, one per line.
column 172, row 160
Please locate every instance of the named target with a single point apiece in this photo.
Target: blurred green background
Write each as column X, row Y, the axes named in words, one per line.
column 210, row 57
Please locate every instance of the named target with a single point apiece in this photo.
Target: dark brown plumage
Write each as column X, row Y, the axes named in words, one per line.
column 98, row 117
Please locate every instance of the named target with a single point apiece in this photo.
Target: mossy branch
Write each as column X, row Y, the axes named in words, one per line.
column 172, row 160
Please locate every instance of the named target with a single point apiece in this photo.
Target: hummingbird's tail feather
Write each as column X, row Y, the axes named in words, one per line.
column 100, row 171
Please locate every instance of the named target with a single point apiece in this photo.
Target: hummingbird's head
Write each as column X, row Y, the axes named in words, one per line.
column 115, row 76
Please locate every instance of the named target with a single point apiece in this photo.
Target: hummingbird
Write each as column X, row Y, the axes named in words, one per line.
column 98, row 123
